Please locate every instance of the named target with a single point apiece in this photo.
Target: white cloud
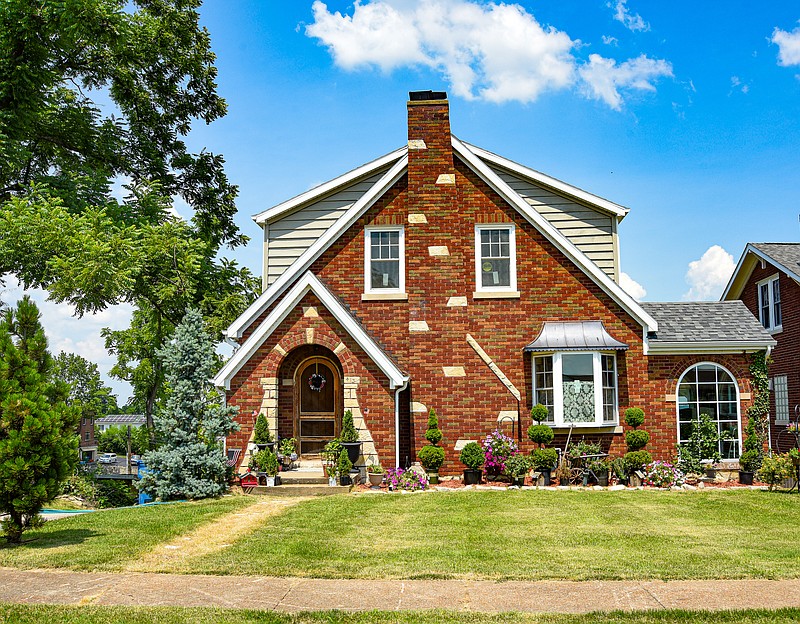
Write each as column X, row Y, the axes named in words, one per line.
column 631, row 21
column 708, row 276
column 610, row 40
column 604, row 78
column 493, row 52
column 788, row 46
column 631, row 286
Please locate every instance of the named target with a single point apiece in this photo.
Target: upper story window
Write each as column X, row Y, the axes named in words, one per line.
column 577, row 388
column 384, row 260
column 769, row 303
column 495, row 258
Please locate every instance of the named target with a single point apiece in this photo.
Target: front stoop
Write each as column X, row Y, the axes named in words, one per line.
column 303, row 489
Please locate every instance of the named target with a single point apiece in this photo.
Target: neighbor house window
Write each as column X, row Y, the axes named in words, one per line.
column 780, row 390
column 769, row 303
column 384, row 260
column 709, row 390
column 495, row 258
column 577, row 388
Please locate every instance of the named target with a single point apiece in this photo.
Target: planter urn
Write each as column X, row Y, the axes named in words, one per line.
column 375, row 478
column 433, row 477
column 353, row 451
column 472, row 477
column 746, row 477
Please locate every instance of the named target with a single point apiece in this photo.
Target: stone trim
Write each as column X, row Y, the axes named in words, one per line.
column 454, row 371
column 417, row 144
column 417, row 218
column 446, row 178
column 493, row 367
column 418, row 326
column 457, row 302
column 438, row 250
column 350, row 391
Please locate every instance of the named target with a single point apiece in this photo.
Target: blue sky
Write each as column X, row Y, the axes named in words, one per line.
column 687, row 113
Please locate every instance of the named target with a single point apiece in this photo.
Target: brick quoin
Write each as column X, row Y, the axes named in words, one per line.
column 551, row 288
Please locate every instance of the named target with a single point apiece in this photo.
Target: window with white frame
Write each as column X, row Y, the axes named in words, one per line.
column 780, row 390
column 495, row 258
column 769, row 303
column 577, row 388
column 708, row 389
column 384, row 260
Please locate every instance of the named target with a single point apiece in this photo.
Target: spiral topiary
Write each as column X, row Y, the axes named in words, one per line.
column 433, row 434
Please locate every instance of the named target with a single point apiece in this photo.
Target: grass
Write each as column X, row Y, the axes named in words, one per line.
column 45, row 614
column 105, row 540
column 526, row 535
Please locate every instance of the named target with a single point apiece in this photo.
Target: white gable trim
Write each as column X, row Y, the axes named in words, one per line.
column 550, row 182
column 317, row 248
column 309, row 283
column 323, row 189
column 737, row 282
column 563, row 244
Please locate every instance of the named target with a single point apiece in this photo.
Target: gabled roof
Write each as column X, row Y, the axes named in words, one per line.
column 784, row 256
column 706, row 327
column 482, row 170
column 309, row 283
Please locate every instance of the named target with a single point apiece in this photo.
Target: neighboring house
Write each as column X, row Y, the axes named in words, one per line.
column 119, row 420
column 444, row 276
column 87, row 446
column 767, row 280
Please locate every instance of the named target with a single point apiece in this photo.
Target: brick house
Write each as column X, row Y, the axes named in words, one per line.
column 767, row 280
column 444, row 276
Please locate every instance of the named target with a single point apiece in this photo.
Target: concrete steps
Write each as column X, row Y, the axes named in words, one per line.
column 303, row 489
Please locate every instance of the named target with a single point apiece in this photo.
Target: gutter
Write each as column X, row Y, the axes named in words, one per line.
column 397, row 422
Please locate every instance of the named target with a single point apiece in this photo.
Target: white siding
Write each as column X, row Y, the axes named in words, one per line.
column 289, row 236
column 590, row 230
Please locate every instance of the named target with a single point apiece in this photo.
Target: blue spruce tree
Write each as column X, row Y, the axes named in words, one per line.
column 190, row 462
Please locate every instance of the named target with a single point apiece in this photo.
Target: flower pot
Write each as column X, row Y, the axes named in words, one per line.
column 353, row 451
column 433, row 478
column 518, row 481
column 546, row 475
column 375, row 478
column 746, row 477
column 345, row 480
column 563, row 482
column 602, row 479
column 472, row 477
column 331, row 481
column 270, row 481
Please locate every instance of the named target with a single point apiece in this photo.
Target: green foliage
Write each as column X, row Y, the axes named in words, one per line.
column 472, row 456
column 261, row 432
column 348, row 433
column 544, row 458
column 343, row 465
column 38, row 444
column 330, row 454
column 539, row 413
column 87, row 391
column 267, row 462
column 431, row 457
column 190, row 462
column 540, row 434
column 115, row 440
column 113, row 493
column 518, row 465
column 636, row 439
column 376, row 469
column 750, row 461
column 634, row 417
column 635, row 460
column 577, row 450
column 753, row 446
column 433, row 433
column 287, row 446
column 703, row 444
column 777, row 468
column 618, row 468
column 758, row 412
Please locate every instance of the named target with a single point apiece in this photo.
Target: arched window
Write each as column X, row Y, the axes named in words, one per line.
column 709, row 389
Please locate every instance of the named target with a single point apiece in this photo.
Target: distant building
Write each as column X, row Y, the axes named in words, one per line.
column 87, row 448
column 119, row 420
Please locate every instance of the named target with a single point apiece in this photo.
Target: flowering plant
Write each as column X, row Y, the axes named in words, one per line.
column 793, row 427
column 497, row 448
column 399, row 479
column 662, row 474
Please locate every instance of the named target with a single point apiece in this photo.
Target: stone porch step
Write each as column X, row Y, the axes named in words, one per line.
column 306, row 489
column 293, row 477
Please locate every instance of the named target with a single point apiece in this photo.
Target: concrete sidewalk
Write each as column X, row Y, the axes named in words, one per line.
column 297, row 594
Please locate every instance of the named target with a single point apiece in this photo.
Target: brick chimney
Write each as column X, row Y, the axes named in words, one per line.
column 430, row 155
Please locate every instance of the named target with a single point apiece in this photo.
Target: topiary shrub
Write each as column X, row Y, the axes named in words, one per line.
column 349, row 433
column 540, row 434
column 267, row 462
column 634, row 416
column 343, row 465
column 540, row 413
column 750, row 461
column 261, row 432
column 636, row 439
column 753, row 451
column 472, row 456
column 635, row 460
column 433, row 434
column 431, row 457
column 544, row 458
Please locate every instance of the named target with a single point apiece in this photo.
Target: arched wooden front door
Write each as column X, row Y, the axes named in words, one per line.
column 317, row 390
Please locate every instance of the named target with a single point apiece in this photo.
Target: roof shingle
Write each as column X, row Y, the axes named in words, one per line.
column 706, row 322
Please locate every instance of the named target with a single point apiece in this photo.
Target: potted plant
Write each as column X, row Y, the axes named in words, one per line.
column 330, row 458
column 286, row 450
column 431, row 456
column 750, row 461
column 562, row 473
column 619, row 471
column 516, row 467
column 349, row 437
column 601, row 471
column 542, row 435
column 636, row 439
column 262, row 436
column 497, row 448
column 472, row 457
column 267, row 462
column 343, row 467
column 543, row 460
column 375, row 474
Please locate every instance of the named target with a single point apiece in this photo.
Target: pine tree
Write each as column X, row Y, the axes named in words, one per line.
column 38, row 442
column 190, row 462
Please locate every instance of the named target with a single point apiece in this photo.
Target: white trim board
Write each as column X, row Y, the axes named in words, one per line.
column 737, row 282
column 309, row 283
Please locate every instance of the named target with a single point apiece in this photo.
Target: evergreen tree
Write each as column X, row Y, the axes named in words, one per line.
column 38, row 443
column 190, row 462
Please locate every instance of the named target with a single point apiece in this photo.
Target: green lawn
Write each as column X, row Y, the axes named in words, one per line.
column 527, row 535
column 105, row 540
column 45, row 614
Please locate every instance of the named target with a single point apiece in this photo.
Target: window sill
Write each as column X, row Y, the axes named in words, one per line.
column 495, row 294
column 384, row 297
column 588, row 429
column 774, row 330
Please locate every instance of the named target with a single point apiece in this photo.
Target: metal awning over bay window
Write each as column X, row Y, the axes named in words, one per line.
column 575, row 373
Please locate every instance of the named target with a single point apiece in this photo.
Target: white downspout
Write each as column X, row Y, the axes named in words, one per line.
column 397, row 423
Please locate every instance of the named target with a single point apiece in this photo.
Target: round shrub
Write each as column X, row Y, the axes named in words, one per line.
column 539, row 413
column 541, row 434
column 634, row 460
column 472, row 456
column 544, row 459
column 431, row 458
column 750, row 460
column 634, row 416
column 636, row 439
